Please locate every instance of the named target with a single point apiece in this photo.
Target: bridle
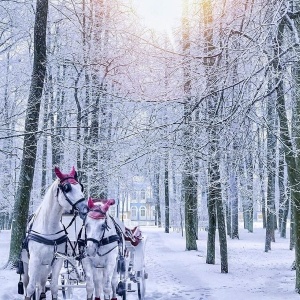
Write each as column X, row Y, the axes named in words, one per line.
column 103, row 241
column 66, row 188
column 104, row 225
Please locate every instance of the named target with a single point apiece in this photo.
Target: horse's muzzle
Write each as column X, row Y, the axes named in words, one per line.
column 82, row 209
column 91, row 249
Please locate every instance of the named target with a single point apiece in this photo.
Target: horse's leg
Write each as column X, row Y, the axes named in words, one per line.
column 41, row 278
column 114, row 283
column 98, row 277
column 107, row 278
column 54, row 277
column 86, row 263
column 43, row 284
column 25, row 276
column 33, row 274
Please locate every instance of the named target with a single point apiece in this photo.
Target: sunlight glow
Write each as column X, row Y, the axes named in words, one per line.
column 159, row 15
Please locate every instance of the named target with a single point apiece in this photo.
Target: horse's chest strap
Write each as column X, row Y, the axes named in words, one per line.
column 42, row 240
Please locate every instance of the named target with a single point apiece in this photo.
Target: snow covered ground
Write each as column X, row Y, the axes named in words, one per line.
column 183, row 275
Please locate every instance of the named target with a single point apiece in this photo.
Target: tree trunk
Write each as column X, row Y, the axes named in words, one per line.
column 291, row 160
column 45, row 140
column 189, row 185
column 57, row 131
column 8, row 182
column 271, row 163
column 85, row 115
column 261, row 170
column 21, row 207
column 156, row 194
column 250, row 208
column 222, row 231
column 234, row 233
column 78, row 125
column 167, row 194
column 214, row 185
column 95, row 183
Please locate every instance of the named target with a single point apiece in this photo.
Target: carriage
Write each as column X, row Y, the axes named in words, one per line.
column 54, row 245
column 136, row 271
column 72, row 275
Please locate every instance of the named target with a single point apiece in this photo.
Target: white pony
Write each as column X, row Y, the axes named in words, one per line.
column 46, row 235
column 102, row 250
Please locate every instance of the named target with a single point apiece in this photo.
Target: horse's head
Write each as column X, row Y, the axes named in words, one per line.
column 96, row 223
column 71, row 192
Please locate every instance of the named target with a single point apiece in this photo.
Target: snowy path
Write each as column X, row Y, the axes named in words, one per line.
column 170, row 273
column 169, row 270
column 176, row 274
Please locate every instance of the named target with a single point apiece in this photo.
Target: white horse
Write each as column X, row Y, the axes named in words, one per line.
column 46, row 235
column 102, row 250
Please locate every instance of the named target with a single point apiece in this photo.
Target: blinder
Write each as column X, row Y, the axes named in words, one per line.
column 66, row 187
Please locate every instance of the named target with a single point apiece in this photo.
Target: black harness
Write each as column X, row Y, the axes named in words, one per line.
column 106, row 240
column 42, row 240
column 36, row 236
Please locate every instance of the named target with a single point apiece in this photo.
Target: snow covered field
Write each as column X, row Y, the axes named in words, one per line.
column 181, row 275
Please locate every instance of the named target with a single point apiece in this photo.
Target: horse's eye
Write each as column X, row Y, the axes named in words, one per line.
column 67, row 187
column 104, row 226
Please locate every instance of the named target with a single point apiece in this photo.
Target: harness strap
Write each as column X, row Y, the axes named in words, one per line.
column 42, row 240
column 63, row 230
column 120, row 234
column 106, row 252
column 105, row 241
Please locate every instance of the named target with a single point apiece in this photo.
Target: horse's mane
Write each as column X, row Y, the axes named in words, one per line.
column 47, row 202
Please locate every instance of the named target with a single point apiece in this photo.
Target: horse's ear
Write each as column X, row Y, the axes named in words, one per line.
column 76, row 176
column 73, row 172
column 108, row 204
column 58, row 173
column 111, row 201
column 90, row 203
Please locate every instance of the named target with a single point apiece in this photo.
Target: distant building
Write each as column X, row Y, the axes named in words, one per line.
column 136, row 205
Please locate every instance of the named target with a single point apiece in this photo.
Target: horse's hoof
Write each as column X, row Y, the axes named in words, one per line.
column 43, row 296
column 97, row 298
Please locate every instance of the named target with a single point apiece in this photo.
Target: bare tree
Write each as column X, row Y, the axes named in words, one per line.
column 31, row 127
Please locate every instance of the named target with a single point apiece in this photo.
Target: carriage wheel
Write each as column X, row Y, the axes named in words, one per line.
column 141, row 284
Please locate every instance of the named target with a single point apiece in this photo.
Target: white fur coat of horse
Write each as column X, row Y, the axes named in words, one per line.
column 40, row 260
column 102, row 251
